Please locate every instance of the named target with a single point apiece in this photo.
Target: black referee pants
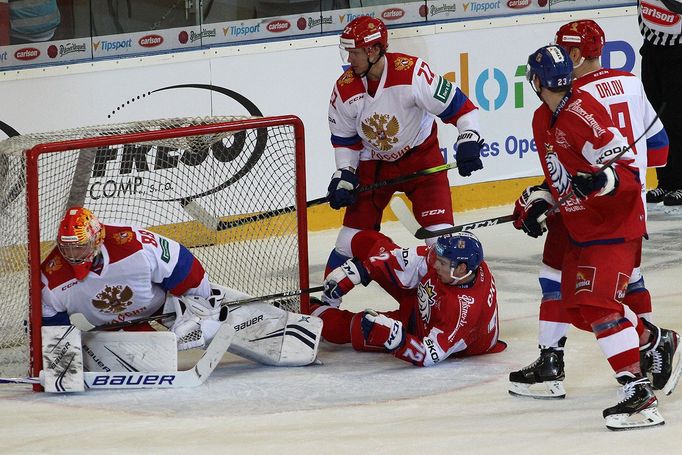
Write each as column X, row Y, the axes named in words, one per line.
column 661, row 76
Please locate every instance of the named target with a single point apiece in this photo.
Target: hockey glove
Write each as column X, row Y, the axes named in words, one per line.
column 344, row 278
column 469, row 144
column 533, row 202
column 197, row 320
column 603, row 183
column 380, row 330
column 340, row 191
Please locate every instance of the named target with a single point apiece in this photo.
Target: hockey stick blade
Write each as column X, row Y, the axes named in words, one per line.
column 79, row 321
column 216, row 224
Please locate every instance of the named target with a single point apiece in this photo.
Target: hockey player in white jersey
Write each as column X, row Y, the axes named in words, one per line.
column 382, row 115
column 622, row 94
column 113, row 274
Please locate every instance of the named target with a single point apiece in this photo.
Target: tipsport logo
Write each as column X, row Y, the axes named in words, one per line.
column 497, row 88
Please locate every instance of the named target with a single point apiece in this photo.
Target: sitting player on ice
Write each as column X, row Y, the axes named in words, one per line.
column 446, row 293
column 112, row 274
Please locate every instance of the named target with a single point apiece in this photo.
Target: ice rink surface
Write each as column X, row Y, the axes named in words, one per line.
column 373, row 403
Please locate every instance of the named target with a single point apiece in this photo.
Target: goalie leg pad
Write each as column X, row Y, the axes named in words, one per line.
column 129, row 351
column 62, row 359
column 272, row 336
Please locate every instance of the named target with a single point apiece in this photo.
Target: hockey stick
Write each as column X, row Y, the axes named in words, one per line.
column 155, row 380
column 408, row 220
column 213, row 223
column 79, row 320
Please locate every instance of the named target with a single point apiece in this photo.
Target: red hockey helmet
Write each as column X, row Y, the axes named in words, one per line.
column 586, row 35
column 363, row 32
column 79, row 238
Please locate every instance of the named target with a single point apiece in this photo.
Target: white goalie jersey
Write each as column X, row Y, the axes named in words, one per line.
column 138, row 268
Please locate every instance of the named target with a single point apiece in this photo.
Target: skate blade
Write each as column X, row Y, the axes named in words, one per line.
column 648, row 417
column 674, row 378
column 548, row 390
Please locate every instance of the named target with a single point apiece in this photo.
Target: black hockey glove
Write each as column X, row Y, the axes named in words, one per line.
column 469, row 145
column 585, row 184
column 341, row 189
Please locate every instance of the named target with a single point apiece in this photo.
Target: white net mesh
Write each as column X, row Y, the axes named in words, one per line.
column 182, row 187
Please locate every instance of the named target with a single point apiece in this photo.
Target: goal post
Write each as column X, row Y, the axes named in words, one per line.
column 167, row 176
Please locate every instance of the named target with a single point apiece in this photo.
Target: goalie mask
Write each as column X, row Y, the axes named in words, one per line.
column 456, row 249
column 79, row 238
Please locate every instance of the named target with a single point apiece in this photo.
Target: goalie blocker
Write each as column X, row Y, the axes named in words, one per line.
column 74, row 361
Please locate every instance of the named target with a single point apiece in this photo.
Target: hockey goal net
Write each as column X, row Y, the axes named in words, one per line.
column 207, row 183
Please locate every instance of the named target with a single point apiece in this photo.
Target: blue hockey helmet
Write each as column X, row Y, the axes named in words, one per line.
column 460, row 248
column 553, row 67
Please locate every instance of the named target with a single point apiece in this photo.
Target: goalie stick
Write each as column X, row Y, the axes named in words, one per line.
column 79, row 321
column 408, row 220
column 196, row 211
column 193, row 377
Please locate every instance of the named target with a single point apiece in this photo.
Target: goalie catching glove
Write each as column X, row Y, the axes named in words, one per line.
column 533, row 202
column 341, row 190
column 344, row 278
column 380, row 330
column 198, row 319
column 469, row 145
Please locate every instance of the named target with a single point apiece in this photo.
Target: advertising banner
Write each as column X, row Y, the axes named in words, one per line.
column 487, row 63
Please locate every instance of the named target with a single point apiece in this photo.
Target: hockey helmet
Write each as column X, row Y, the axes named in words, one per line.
column 79, row 239
column 553, row 67
column 363, row 32
column 586, row 35
column 460, row 248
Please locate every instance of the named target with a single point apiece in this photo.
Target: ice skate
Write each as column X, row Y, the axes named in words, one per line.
column 663, row 355
column 638, row 407
column 542, row 379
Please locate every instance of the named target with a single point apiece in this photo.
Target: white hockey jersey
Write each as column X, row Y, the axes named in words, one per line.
column 398, row 117
column 138, row 268
column 622, row 94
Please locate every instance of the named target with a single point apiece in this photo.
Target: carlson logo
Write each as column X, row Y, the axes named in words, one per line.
column 279, row 25
column 392, row 14
column 150, row 40
column 518, row 4
column 27, row 53
column 658, row 15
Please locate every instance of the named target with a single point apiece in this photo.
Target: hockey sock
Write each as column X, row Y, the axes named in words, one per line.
column 335, row 260
column 617, row 338
column 336, row 326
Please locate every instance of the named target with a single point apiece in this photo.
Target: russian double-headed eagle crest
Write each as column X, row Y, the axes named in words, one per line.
column 113, row 299
column 381, row 131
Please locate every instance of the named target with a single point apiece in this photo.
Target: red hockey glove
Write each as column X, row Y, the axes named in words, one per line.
column 380, row 330
column 344, row 278
column 468, row 156
column 533, row 202
column 603, row 183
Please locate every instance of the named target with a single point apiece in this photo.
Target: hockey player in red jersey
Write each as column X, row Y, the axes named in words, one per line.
column 602, row 209
column 114, row 274
column 446, row 295
column 382, row 120
column 622, row 94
